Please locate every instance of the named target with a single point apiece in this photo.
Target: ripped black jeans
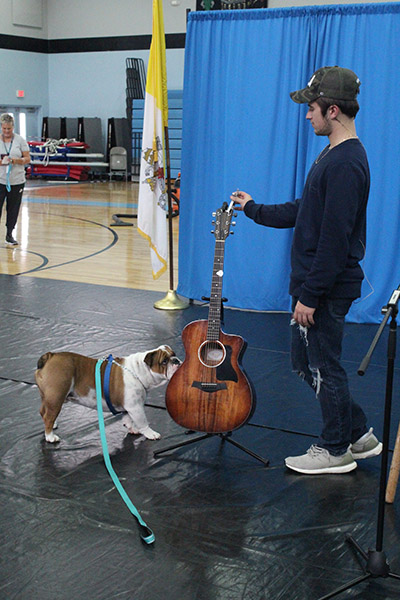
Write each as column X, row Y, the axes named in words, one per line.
column 316, row 353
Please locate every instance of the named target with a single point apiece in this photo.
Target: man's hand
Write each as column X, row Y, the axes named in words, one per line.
column 304, row 315
column 241, row 199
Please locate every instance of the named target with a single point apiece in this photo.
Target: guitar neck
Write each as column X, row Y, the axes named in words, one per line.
column 214, row 313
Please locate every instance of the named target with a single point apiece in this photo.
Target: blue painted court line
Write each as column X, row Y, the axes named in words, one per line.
column 37, row 200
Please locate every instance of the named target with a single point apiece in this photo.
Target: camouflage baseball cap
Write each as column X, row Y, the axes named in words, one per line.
column 331, row 82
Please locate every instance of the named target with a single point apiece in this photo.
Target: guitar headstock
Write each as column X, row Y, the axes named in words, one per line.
column 223, row 218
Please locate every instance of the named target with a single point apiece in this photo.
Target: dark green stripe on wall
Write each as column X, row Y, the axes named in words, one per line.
column 95, row 44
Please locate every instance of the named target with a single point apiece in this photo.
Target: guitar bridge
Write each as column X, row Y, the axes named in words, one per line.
column 209, row 387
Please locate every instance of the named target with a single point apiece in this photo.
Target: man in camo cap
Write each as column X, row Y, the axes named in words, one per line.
column 329, row 222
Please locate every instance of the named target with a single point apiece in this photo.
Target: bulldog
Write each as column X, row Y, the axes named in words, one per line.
column 66, row 376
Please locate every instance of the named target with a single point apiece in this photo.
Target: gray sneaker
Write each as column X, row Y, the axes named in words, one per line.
column 318, row 461
column 365, row 447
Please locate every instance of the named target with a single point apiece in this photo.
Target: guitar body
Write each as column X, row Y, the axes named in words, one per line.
column 210, row 392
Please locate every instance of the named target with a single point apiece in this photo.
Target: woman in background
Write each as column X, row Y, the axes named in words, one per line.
column 14, row 154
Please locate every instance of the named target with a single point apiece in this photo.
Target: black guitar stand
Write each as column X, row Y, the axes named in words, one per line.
column 226, row 437
column 376, row 563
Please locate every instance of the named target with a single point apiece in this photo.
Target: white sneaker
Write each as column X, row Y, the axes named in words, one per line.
column 318, row 461
column 365, row 447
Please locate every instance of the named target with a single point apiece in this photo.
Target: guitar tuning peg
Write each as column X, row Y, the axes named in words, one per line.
column 235, row 215
column 212, row 231
column 213, row 222
column 213, row 214
column 233, row 223
column 232, row 232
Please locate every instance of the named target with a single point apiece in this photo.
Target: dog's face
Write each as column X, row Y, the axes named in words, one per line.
column 163, row 361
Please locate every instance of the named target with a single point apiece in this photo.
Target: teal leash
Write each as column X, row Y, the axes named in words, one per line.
column 147, row 535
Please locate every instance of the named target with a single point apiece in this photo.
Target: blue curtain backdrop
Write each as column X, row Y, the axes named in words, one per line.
column 242, row 130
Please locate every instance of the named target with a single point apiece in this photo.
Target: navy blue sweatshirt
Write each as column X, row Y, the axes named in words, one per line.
column 329, row 225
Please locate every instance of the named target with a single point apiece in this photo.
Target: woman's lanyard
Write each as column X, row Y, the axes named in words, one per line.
column 9, row 148
column 8, row 186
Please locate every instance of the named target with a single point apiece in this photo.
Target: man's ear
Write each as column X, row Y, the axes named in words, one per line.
column 333, row 111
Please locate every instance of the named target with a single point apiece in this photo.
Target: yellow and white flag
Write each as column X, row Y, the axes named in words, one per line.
column 153, row 196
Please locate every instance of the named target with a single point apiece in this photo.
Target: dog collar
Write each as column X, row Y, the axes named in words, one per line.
column 106, row 386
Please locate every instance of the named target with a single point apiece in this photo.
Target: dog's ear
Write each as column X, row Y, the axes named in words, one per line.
column 150, row 359
column 158, row 359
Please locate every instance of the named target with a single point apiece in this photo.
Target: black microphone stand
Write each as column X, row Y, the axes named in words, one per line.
column 377, row 565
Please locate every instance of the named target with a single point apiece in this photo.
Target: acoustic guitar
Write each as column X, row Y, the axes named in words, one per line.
column 210, row 391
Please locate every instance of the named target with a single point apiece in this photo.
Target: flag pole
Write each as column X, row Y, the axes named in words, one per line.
column 171, row 301
column 155, row 164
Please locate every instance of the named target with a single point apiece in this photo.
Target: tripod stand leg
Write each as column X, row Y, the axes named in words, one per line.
column 352, row 541
column 226, row 438
column 377, row 566
column 346, row 586
column 181, row 444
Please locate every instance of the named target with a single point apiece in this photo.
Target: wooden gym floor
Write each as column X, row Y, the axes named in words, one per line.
column 66, row 232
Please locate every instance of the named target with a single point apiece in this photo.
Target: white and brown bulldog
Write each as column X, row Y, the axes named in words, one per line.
column 66, row 376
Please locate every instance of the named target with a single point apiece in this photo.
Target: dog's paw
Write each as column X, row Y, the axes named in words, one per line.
column 150, row 434
column 52, row 438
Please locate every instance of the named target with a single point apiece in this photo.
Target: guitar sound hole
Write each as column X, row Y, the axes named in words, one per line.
column 212, row 354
